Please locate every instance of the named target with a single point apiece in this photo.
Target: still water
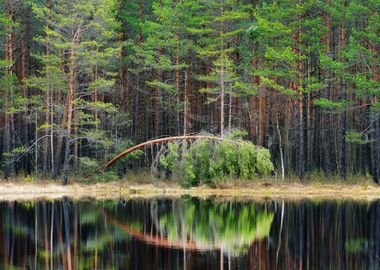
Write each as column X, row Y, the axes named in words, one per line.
column 189, row 233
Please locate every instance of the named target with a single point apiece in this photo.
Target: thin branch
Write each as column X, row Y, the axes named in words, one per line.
column 30, row 148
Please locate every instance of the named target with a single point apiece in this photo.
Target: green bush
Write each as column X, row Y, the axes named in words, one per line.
column 87, row 168
column 207, row 161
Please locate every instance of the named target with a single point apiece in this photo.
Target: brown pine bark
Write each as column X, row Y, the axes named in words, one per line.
column 189, row 103
column 342, row 117
column 262, row 100
column 48, row 113
column 186, row 114
column 222, row 67
column 139, row 96
column 70, row 98
column 122, row 37
column 375, row 146
column 326, row 94
column 177, row 83
column 301, row 111
column 8, row 117
column 309, row 122
column 252, row 105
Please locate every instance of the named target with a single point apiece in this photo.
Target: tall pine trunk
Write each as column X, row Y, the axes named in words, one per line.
column 71, row 92
column 48, row 114
column 222, row 67
column 375, row 146
column 301, row 153
column 177, row 82
column 139, row 96
column 326, row 94
column 8, row 118
column 23, row 124
column 342, row 117
column 342, row 134
column 122, row 36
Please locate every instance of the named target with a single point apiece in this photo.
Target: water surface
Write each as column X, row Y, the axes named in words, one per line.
column 189, row 233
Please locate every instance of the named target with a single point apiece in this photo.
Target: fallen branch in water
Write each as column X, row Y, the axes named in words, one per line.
column 157, row 141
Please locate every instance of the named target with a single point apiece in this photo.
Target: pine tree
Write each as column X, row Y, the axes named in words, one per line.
column 78, row 38
column 10, row 98
column 217, row 28
column 283, row 62
column 162, row 53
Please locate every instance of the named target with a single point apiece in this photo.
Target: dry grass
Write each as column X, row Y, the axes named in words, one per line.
column 20, row 190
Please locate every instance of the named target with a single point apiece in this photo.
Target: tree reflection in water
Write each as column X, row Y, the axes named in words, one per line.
column 188, row 233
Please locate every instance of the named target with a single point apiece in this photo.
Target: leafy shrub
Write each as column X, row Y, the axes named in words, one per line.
column 205, row 160
column 88, row 166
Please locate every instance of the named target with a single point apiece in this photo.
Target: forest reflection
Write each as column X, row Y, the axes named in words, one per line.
column 189, row 233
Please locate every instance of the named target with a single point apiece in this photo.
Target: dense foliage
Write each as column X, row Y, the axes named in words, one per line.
column 79, row 78
column 207, row 161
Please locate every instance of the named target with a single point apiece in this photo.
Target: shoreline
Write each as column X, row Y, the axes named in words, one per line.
column 16, row 191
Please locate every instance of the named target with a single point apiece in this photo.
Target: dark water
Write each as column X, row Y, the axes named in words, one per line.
column 189, row 234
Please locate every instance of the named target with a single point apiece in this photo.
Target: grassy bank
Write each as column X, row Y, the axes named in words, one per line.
column 19, row 189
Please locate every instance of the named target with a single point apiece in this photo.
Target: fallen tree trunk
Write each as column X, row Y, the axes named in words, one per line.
column 156, row 141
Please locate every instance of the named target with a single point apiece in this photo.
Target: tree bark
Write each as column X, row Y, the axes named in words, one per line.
column 309, row 122
column 342, row 134
column 8, row 118
column 375, row 147
column 222, row 82
column 280, row 147
column 122, row 36
column 342, row 117
column 301, row 153
column 326, row 120
column 186, row 118
column 139, row 97
column 177, row 82
column 48, row 114
column 71, row 91
column 157, row 141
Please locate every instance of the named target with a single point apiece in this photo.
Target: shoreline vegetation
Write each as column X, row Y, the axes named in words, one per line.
column 21, row 190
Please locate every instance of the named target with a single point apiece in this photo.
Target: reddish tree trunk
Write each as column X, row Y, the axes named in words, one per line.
column 8, row 118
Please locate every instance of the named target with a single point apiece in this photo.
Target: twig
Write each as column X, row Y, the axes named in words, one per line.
column 29, row 148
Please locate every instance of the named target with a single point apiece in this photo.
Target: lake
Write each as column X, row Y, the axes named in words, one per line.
column 189, row 233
